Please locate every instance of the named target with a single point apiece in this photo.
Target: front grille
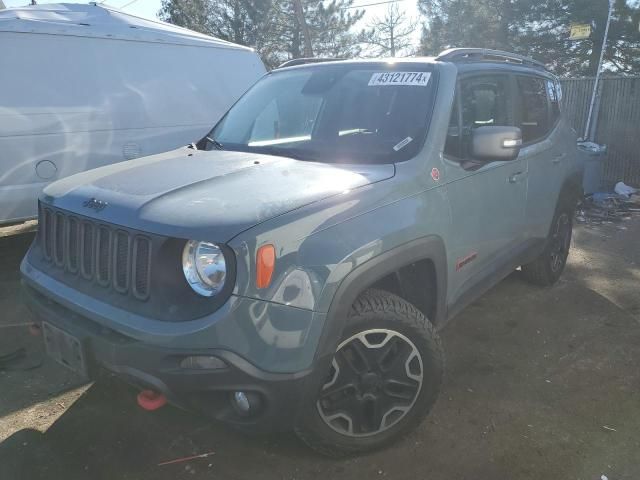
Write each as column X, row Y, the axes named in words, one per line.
column 110, row 256
column 73, row 235
column 121, row 261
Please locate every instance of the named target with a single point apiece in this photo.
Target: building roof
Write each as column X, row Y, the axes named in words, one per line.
column 100, row 21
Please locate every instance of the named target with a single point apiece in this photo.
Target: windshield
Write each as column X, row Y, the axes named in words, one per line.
column 367, row 113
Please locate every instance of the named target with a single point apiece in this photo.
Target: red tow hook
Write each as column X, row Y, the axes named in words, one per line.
column 151, row 400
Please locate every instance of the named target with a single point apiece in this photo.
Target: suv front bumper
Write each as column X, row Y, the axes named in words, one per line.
column 147, row 365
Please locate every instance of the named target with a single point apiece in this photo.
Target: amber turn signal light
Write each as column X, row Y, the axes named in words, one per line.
column 265, row 263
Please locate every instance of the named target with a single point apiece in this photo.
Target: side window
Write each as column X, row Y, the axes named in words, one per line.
column 534, row 121
column 553, row 90
column 484, row 102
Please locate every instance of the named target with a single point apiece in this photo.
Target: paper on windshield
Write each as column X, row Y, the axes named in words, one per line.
column 399, row 78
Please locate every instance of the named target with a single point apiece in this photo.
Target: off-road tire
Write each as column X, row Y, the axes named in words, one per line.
column 543, row 271
column 376, row 309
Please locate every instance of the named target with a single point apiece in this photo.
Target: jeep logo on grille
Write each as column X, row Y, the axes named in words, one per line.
column 95, row 204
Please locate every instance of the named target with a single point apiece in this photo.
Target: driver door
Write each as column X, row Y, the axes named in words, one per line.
column 487, row 199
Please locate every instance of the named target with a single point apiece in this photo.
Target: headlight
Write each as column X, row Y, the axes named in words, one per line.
column 204, row 267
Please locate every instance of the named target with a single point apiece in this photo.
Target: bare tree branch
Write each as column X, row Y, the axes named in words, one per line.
column 391, row 35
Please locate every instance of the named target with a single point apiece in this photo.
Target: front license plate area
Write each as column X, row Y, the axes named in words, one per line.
column 64, row 348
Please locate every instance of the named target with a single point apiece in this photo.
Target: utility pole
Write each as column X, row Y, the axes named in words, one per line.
column 587, row 133
column 297, row 6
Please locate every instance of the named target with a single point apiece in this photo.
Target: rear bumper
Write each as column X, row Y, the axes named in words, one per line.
column 156, row 367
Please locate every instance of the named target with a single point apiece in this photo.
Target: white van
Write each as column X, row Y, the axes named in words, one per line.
column 83, row 86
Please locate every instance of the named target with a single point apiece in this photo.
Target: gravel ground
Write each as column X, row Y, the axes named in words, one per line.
column 541, row 383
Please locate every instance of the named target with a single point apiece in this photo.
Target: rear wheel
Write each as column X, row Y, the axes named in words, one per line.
column 547, row 268
column 383, row 380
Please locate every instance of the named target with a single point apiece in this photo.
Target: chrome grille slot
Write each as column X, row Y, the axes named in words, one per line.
column 142, row 270
column 58, row 238
column 112, row 257
column 87, row 247
column 45, row 232
column 72, row 244
column 103, row 256
column 121, row 261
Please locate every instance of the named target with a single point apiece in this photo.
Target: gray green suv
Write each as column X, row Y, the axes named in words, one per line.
column 292, row 268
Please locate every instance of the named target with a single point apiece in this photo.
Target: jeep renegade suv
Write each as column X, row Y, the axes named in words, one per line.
column 290, row 271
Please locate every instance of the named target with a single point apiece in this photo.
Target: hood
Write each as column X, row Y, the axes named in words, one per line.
column 211, row 195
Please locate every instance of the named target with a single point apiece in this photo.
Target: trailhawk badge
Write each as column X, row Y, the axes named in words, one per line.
column 435, row 174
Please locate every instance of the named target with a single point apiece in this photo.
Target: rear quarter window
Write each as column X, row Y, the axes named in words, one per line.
column 535, row 121
column 553, row 89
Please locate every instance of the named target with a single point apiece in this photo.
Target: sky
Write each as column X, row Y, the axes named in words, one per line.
column 150, row 8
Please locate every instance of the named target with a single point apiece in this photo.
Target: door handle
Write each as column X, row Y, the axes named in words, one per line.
column 516, row 177
column 558, row 158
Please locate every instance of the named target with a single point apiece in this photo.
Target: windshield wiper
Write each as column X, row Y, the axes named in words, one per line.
column 354, row 131
column 215, row 143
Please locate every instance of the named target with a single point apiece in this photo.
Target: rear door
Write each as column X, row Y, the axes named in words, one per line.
column 544, row 149
column 487, row 200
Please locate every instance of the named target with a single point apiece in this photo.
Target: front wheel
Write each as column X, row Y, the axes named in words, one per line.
column 547, row 268
column 383, row 380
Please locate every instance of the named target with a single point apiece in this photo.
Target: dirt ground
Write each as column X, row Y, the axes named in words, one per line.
column 542, row 383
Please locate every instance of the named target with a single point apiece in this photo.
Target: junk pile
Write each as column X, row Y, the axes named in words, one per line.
column 609, row 207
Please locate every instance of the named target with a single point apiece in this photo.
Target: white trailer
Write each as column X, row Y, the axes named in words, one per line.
column 83, row 86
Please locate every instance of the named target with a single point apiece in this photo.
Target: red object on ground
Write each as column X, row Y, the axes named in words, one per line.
column 151, row 400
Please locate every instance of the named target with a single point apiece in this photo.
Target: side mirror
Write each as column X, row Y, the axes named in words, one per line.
column 496, row 143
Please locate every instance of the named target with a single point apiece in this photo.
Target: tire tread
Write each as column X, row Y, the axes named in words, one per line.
column 538, row 272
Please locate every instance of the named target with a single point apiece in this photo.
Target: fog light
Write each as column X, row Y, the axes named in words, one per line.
column 241, row 402
column 202, row 362
column 246, row 403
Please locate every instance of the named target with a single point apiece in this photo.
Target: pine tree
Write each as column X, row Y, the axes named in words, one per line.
column 551, row 44
column 272, row 26
column 238, row 21
column 329, row 26
column 192, row 14
column 537, row 28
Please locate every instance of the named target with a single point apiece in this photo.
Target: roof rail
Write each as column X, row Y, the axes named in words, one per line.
column 471, row 54
column 303, row 61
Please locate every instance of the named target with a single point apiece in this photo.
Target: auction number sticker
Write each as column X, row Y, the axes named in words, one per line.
column 399, row 78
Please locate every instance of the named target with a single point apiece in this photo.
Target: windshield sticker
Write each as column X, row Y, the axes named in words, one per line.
column 399, row 78
column 404, row 142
